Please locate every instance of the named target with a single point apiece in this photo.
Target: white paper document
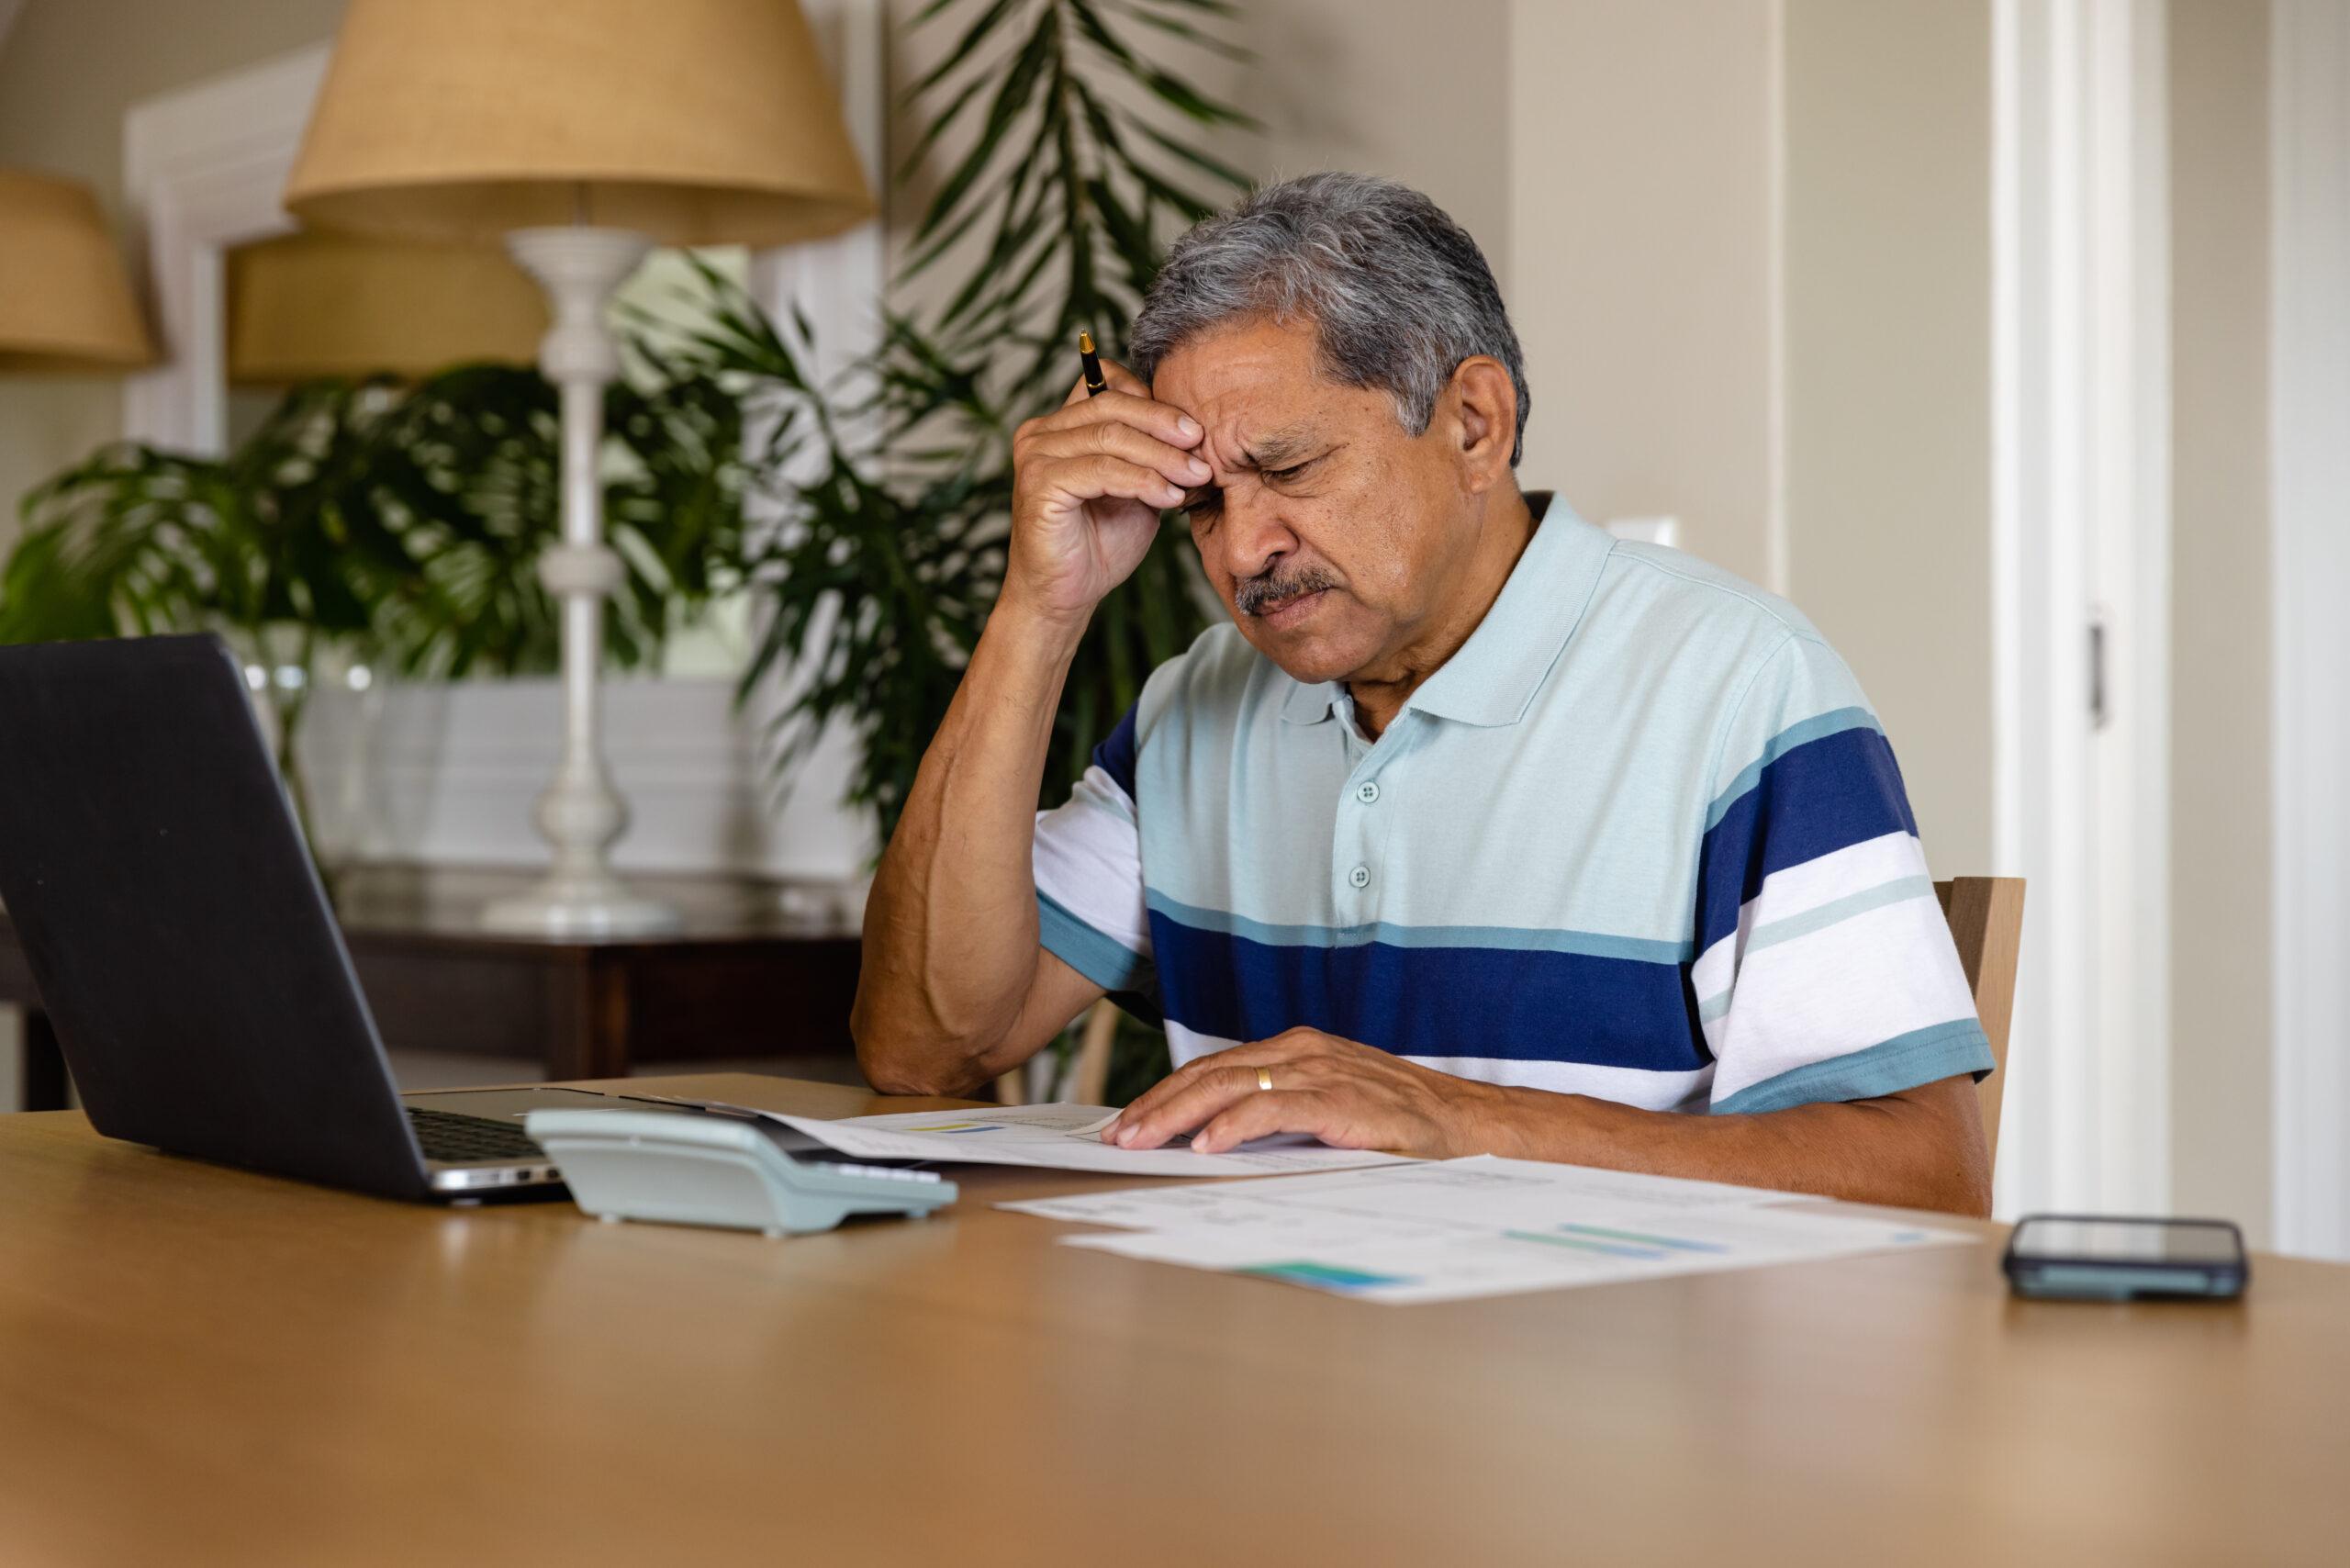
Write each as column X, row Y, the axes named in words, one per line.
column 1454, row 1230
column 1055, row 1137
column 1483, row 1189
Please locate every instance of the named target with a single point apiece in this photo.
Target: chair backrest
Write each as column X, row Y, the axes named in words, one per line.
column 1090, row 1075
column 1986, row 915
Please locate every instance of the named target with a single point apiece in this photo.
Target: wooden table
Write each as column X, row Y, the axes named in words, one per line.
column 198, row 1365
column 741, row 980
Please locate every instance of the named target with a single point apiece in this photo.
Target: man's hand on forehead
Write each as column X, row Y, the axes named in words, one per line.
column 1090, row 480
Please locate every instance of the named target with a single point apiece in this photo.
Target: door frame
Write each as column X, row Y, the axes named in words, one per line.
column 2309, row 652
column 2081, row 540
column 203, row 170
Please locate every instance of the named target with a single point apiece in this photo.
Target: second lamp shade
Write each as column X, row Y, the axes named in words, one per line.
column 303, row 305
column 689, row 121
column 64, row 303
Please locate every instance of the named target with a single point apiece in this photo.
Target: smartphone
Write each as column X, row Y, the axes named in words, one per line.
column 2098, row 1258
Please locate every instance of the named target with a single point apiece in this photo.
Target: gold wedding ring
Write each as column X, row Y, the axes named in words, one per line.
column 1264, row 1078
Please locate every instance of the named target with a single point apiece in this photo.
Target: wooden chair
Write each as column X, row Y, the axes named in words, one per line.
column 1091, row 1080
column 1986, row 915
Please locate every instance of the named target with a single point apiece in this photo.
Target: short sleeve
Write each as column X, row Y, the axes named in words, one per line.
column 1090, row 910
column 1825, row 970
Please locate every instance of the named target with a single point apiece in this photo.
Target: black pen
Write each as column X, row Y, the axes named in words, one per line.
column 1094, row 384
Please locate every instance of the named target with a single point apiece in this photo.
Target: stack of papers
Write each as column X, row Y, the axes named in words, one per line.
column 1454, row 1230
column 1055, row 1137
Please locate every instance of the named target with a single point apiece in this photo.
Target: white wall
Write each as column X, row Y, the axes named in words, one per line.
column 1414, row 89
column 2220, row 755
column 1641, row 261
column 1888, row 329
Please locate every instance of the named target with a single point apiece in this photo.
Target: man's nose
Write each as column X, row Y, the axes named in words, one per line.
column 1253, row 535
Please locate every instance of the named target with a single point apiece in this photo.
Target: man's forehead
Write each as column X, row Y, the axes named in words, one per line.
column 1270, row 371
column 1260, row 391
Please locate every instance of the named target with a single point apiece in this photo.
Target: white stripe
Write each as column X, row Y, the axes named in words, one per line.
column 1625, row 1085
column 1838, row 990
column 1799, row 888
column 1089, row 859
column 1188, row 1045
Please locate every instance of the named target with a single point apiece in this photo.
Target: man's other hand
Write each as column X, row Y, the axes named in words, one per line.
column 1347, row 1094
column 1089, row 481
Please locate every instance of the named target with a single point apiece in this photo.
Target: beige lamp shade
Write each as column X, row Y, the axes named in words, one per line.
column 304, row 306
column 65, row 302
column 692, row 122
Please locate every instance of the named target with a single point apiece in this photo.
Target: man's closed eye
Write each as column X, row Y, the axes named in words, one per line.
column 1208, row 501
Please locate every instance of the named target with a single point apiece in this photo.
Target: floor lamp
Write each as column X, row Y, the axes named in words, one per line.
column 584, row 133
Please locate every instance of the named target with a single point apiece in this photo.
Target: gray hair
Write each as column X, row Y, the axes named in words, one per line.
column 1399, row 294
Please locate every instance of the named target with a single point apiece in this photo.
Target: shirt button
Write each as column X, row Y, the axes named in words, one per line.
column 1367, row 793
column 1360, row 877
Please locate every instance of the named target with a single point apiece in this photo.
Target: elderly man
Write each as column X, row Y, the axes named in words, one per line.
column 1476, row 830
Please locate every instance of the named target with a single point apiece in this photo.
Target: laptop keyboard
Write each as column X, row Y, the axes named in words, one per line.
column 445, row 1135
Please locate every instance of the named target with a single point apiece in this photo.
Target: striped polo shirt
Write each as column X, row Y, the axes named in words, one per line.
column 1640, row 838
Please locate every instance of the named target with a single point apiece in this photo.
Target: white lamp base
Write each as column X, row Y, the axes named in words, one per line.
column 581, row 814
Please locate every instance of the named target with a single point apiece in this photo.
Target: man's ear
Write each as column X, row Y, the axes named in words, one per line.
column 1482, row 403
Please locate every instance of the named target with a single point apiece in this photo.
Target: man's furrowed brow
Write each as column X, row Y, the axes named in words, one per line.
column 1280, row 448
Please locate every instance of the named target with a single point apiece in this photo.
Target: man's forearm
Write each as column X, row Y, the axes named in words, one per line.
column 950, row 930
column 1922, row 1148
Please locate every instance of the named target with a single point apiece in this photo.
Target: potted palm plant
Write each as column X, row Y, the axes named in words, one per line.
column 385, row 526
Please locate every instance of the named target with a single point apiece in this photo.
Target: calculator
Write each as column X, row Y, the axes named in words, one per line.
column 724, row 1170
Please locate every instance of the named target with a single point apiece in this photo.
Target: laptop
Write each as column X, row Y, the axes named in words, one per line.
column 184, row 949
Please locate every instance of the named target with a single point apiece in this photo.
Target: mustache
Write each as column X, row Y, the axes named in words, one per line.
column 1266, row 589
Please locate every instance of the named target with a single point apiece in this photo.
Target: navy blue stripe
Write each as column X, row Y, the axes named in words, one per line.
column 1115, row 757
column 1825, row 795
column 1518, row 1005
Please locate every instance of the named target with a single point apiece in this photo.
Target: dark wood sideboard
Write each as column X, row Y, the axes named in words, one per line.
column 759, row 972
